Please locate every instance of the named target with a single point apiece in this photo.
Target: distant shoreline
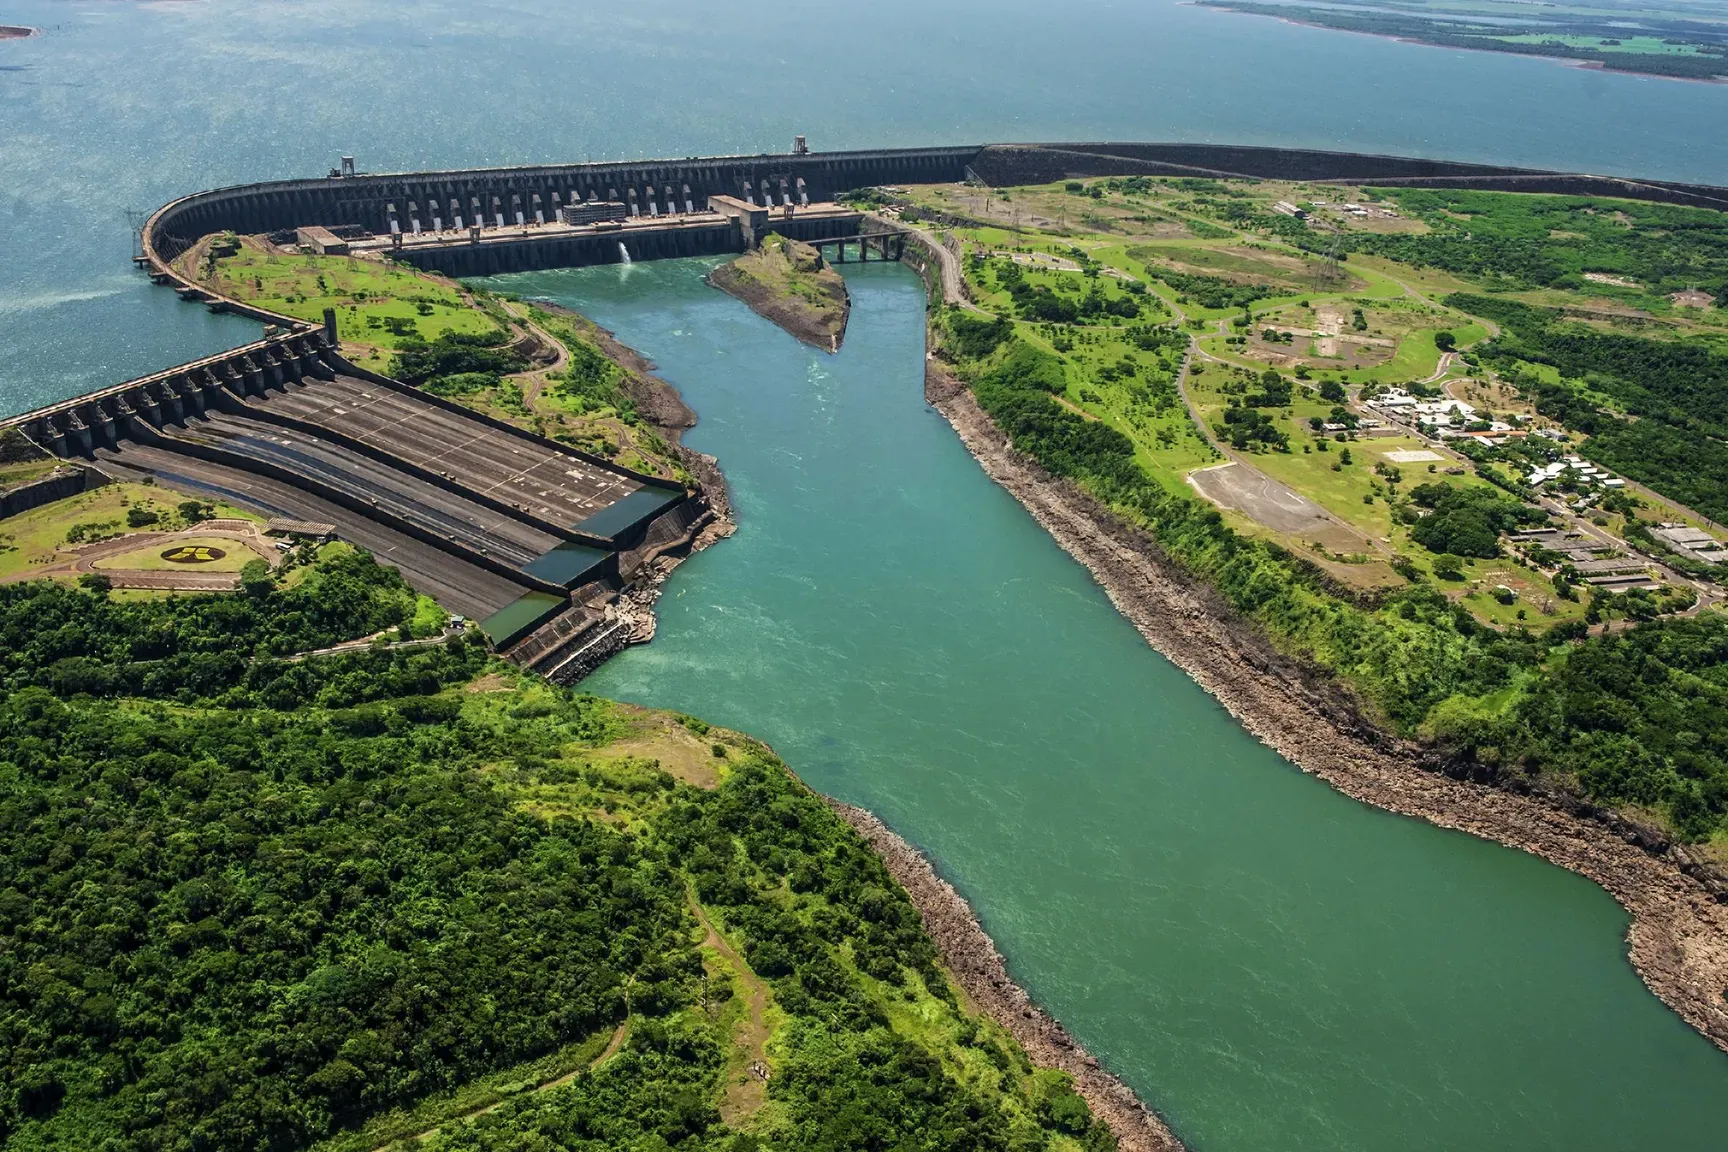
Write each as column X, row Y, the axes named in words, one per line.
column 17, row 32
column 1564, row 61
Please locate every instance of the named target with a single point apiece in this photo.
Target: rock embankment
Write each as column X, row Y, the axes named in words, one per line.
column 788, row 282
column 978, row 967
column 1678, row 940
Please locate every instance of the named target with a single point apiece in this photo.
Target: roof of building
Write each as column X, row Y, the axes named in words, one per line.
column 620, row 517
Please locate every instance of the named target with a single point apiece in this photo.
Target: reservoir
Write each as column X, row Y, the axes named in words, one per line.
column 1272, row 965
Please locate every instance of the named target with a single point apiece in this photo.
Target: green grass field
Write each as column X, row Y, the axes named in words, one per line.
column 1063, row 235
column 39, row 537
column 378, row 305
column 204, row 553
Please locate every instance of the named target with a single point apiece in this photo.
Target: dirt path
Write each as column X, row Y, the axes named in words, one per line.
column 745, row 1093
column 619, row 1035
column 535, row 380
column 82, row 559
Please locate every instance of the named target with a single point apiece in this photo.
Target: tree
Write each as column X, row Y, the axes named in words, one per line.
column 1445, row 341
column 1332, row 390
column 1448, row 566
column 256, row 579
column 95, row 582
column 195, row 511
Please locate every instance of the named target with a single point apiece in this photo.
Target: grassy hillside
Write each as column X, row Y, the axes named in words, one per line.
column 249, row 902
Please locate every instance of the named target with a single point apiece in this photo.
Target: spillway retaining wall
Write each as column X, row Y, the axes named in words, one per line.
column 57, row 485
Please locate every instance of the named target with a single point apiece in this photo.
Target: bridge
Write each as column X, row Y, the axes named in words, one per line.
column 891, row 245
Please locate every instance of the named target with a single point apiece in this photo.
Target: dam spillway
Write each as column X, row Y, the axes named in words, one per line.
column 660, row 191
column 495, row 522
column 490, row 519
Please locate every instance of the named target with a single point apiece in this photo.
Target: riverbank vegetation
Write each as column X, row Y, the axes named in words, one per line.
column 787, row 282
column 1503, row 659
column 254, row 901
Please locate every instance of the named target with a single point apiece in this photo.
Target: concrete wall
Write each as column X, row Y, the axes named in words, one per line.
column 57, row 485
column 101, row 419
column 366, row 200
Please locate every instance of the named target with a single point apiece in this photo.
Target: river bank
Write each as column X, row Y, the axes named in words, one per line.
column 976, row 965
column 1678, row 939
column 788, row 284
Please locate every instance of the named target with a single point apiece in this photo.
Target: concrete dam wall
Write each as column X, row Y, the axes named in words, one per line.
column 502, row 197
column 497, row 195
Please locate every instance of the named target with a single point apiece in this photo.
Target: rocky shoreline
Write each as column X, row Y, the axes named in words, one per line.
column 977, row 966
column 1678, row 940
column 764, row 280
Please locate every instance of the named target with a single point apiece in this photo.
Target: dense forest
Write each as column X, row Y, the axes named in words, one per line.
column 1671, row 398
column 1494, row 701
column 1531, row 241
column 250, row 901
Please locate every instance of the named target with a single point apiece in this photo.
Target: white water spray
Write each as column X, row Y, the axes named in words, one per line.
column 624, row 253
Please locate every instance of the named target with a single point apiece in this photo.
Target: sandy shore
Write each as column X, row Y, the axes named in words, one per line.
column 1678, row 941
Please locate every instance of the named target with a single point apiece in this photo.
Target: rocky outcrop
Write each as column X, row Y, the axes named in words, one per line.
column 1678, row 941
column 786, row 281
column 971, row 957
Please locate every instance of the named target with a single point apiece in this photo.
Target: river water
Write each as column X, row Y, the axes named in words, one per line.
column 1272, row 965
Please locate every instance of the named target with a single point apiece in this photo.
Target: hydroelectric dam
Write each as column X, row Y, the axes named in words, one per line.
column 535, row 538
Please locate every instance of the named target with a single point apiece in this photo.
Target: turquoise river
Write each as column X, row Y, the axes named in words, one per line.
column 1274, row 967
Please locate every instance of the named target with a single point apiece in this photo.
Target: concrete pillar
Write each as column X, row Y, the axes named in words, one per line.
column 110, row 426
column 498, row 211
column 803, row 194
column 145, row 404
column 689, row 201
column 49, row 436
column 176, row 409
column 395, row 228
column 252, row 379
column 539, row 210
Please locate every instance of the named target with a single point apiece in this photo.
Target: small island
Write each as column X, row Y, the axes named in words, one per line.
column 788, row 282
column 15, row 32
